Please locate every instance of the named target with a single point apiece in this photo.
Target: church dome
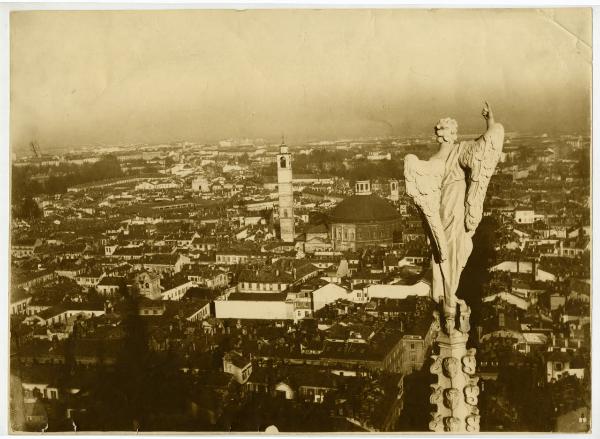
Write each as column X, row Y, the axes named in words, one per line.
column 363, row 209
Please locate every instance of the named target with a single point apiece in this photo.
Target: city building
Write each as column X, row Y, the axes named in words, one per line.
column 363, row 219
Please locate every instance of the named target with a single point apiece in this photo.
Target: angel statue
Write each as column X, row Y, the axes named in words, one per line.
column 449, row 190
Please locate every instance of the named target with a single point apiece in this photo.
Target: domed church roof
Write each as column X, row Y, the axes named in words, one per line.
column 363, row 209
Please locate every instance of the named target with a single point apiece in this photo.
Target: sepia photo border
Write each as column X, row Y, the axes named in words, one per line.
column 5, row 10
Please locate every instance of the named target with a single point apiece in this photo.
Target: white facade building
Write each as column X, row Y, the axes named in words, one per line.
column 254, row 306
column 328, row 294
column 200, row 184
column 421, row 288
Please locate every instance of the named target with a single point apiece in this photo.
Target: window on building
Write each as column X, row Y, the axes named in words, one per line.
column 282, row 162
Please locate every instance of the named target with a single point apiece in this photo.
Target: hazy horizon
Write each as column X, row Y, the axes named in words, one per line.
column 120, row 77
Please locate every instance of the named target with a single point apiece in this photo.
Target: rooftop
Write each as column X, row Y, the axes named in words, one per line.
column 259, row 297
column 363, row 209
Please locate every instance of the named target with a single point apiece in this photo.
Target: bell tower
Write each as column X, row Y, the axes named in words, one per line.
column 286, row 193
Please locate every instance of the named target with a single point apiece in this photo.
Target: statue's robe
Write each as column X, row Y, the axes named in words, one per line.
column 446, row 274
column 467, row 172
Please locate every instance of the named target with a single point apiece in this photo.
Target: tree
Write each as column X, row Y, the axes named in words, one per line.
column 61, row 178
column 28, row 209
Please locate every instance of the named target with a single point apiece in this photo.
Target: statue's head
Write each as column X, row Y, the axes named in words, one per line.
column 446, row 130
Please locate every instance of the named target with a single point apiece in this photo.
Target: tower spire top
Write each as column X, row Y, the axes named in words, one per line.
column 283, row 149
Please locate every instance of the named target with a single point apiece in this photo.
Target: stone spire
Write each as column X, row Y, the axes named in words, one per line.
column 456, row 391
column 449, row 189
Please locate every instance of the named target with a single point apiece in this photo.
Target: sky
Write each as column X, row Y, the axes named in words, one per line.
column 116, row 77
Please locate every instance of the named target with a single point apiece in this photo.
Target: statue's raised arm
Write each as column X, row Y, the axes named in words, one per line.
column 481, row 157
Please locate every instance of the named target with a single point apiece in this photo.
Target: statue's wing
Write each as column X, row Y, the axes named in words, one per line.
column 481, row 157
column 423, row 185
